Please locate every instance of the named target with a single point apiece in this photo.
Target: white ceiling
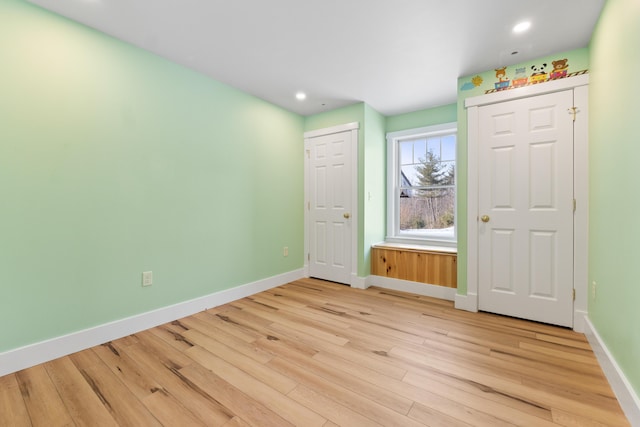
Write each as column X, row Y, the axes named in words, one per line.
column 397, row 56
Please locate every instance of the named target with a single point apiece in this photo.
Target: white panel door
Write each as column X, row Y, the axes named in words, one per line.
column 330, row 207
column 525, row 242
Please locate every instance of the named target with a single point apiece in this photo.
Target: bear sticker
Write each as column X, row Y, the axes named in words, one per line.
column 560, row 68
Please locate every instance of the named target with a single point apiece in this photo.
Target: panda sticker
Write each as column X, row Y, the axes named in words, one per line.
column 539, row 73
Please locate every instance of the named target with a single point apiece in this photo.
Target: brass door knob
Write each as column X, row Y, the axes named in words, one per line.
column 347, row 215
column 485, row 218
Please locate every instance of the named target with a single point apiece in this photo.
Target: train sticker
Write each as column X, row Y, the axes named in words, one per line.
column 503, row 80
column 539, row 74
column 521, row 78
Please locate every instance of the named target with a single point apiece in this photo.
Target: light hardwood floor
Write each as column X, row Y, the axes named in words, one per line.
column 312, row 353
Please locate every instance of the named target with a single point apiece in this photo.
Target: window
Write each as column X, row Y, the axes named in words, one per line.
column 421, row 185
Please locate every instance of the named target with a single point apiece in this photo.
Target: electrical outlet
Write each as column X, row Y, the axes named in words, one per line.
column 593, row 289
column 285, row 251
column 147, row 278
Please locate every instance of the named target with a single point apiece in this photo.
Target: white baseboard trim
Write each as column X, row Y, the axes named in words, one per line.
column 434, row 291
column 467, row 302
column 44, row 351
column 579, row 317
column 358, row 282
column 629, row 400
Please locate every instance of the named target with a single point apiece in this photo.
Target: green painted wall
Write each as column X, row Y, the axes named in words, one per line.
column 114, row 161
column 614, row 230
column 476, row 85
column 375, row 184
column 422, row 118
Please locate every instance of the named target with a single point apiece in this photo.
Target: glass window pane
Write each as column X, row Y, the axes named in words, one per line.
column 448, row 172
column 434, row 147
column 408, row 176
column 419, row 150
column 449, row 147
column 426, row 175
column 406, row 152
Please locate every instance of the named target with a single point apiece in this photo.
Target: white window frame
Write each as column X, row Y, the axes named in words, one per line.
column 393, row 187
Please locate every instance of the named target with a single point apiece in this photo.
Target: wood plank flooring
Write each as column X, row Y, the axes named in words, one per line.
column 313, row 353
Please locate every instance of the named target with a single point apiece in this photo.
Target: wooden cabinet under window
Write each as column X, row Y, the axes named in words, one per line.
column 414, row 264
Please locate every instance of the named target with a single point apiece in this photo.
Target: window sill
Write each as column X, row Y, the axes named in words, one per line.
column 422, row 247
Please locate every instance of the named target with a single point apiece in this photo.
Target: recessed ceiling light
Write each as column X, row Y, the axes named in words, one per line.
column 301, row 96
column 522, row 27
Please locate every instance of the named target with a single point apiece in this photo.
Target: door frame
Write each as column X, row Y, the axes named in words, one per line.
column 348, row 127
column 580, row 86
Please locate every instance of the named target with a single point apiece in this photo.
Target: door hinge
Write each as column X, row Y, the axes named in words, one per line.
column 573, row 111
column 308, row 154
column 574, row 294
column 574, row 205
column 308, row 256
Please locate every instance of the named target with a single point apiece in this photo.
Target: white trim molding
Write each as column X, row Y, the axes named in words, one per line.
column 331, row 130
column 358, row 282
column 34, row 354
column 467, row 302
column 581, row 214
column 417, row 288
column 394, row 234
column 628, row 399
column 579, row 318
column 527, row 91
